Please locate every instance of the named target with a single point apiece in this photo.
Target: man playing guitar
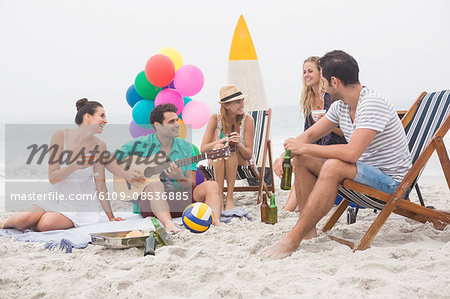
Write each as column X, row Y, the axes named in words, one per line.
column 166, row 195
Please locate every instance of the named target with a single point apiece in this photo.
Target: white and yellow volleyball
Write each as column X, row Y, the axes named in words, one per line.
column 197, row 217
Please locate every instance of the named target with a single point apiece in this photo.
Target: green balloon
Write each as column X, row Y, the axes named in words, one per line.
column 144, row 88
column 196, row 150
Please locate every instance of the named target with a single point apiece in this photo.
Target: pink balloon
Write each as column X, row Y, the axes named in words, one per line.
column 170, row 96
column 196, row 113
column 136, row 131
column 188, row 80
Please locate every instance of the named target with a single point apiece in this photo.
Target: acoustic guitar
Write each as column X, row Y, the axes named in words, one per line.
column 152, row 167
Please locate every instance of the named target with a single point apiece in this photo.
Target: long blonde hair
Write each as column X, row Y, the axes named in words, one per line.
column 307, row 97
column 225, row 119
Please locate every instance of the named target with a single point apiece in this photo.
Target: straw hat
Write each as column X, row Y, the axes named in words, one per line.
column 230, row 93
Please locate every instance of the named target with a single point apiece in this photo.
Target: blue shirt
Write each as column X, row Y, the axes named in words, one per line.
column 146, row 146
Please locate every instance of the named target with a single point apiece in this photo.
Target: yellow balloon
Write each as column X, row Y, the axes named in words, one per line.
column 174, row 55
column 182, row 130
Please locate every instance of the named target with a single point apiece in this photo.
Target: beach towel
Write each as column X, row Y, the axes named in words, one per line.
column 228, row 215
column 79, row 237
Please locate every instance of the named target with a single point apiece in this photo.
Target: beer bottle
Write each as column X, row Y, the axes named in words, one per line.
column 287, row 172
column 264, row 210
column 273, row 218
column 232, row 148
column 150, row 244
column 161, row 233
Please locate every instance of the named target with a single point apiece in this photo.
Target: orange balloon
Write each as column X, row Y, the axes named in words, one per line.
column 182, row 130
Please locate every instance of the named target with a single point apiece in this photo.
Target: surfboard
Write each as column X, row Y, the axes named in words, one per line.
column 243, row 68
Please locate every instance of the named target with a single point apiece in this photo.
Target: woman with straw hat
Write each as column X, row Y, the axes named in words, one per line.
column 233, row 127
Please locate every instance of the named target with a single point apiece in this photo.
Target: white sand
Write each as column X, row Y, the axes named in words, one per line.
column 407, row 259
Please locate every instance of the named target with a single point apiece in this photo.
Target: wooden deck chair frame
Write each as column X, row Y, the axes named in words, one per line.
column 395, row 202
column 261, row 154
column 352, row 212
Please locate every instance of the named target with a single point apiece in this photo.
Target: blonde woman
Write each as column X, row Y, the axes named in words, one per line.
column 232, row 126
column 313, row 98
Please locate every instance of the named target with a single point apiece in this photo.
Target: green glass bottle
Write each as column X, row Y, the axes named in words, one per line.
column 264, row 209
column 161, row 233
column 273, row 213
column 287, row 172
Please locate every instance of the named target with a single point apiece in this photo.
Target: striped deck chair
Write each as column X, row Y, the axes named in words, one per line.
column 426, row 124
column 261, row 151
column 352, row 211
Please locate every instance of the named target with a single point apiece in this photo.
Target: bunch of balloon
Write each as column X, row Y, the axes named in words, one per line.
column 166, row 80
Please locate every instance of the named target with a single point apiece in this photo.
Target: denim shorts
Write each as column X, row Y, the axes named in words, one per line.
column 375, row 178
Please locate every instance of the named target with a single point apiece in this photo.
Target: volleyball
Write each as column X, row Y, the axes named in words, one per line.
column 197, row 217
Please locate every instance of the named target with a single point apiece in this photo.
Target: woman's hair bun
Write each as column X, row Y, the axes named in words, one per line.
column 80, row 103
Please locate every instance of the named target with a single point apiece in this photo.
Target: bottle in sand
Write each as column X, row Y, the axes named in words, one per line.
column 273, row 217
column 287, row 172
column 264, row 210
column 161, row 233
column 150, row 244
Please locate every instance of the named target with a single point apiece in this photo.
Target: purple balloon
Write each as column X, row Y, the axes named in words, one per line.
column 136, row 131
column 188, row 80
column 171, row 85
column 199, row 177
column 170, row 96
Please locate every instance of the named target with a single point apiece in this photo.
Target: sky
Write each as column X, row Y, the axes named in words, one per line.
column 53, row 52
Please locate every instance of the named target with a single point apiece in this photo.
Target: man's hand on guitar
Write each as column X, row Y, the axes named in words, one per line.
column 174, row 172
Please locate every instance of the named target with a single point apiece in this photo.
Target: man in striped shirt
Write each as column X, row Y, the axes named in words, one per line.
column 376, row 154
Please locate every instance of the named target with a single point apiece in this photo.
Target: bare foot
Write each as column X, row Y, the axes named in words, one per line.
column 288, row 209
column 218, row 223
column 229, row 205
column 311, row 235
column 172, row 228
column 279, row 250
column 2, row 222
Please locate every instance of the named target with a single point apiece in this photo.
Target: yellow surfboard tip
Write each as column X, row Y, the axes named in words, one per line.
column 242, row 45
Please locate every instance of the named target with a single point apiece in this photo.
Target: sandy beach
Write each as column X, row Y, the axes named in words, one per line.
column 407, row 259
column 55, row 52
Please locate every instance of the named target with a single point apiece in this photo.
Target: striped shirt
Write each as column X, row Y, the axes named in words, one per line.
column 389, row 149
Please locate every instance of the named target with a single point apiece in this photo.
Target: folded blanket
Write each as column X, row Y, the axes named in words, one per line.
column 228, row 215
column 79, row 237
